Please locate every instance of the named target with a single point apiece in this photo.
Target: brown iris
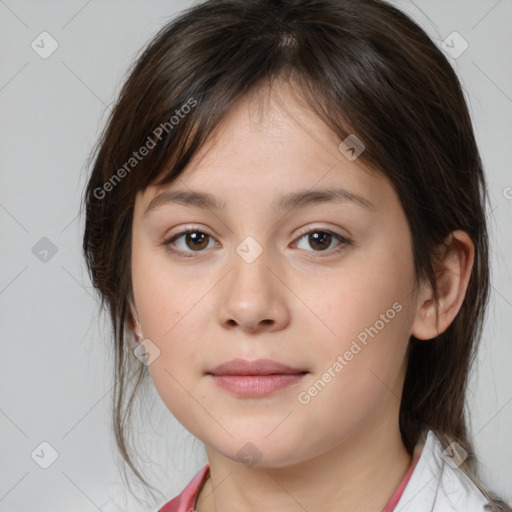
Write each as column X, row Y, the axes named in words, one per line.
column 198, row 240
column 320, row 240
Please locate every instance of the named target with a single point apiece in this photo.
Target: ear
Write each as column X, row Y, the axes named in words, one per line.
column 452, row 279
column 134, row 322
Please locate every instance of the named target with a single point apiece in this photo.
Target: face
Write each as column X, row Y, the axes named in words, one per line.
column 322, row 284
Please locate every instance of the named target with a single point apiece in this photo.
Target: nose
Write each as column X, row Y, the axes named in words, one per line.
column 253, row 297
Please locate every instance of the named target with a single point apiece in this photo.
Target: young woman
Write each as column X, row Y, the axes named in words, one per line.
column 286, row 220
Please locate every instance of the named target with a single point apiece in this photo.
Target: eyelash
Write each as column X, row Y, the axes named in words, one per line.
column 190, row 254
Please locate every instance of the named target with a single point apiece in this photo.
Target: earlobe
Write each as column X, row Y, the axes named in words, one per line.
column 135, row 322
column 452, row 280
column 138, row 331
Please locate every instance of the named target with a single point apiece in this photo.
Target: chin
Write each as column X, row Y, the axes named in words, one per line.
column 261, row 451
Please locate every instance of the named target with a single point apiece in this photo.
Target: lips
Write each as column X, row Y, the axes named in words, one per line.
column 257, row 367
column 254, row 379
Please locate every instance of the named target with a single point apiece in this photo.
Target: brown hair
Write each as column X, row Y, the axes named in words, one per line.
column 365, row 68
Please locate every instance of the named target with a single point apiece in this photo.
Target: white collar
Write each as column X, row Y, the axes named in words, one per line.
column 436, row 486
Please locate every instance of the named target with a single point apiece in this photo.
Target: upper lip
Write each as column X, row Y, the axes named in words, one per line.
column 257, row 367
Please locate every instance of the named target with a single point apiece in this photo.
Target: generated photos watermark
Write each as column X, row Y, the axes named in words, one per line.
column 304, row 397
column 144, row 150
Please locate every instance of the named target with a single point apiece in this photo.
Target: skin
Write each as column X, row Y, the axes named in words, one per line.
column 295, row 303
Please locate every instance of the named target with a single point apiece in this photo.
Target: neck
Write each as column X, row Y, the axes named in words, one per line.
column 359, row 474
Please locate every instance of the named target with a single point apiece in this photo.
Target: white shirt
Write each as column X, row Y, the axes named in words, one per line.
column 438, row 485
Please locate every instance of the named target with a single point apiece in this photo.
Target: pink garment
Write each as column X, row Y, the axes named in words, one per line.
column 391, row 504
column 185, row 501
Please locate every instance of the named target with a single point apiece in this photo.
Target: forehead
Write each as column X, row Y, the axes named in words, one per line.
column 272, row 143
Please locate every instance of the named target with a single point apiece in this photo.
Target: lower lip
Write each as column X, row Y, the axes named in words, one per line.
column 254, row 386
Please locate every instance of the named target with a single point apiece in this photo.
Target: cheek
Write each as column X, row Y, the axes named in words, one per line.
column 169, row 307
column 361, row 369
column 165, row 294
column 359, row 296
column 369, row 315
column 178, row 368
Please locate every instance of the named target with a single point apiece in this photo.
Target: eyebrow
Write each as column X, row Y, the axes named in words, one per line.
column 302, row 198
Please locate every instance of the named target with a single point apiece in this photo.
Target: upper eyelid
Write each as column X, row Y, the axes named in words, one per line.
column 188, row 229
column 302, row 231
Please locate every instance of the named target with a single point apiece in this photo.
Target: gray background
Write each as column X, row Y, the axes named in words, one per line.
column 55, row 374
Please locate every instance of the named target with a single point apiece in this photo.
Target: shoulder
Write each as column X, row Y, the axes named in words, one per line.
column 185, row 501
column 438, row 485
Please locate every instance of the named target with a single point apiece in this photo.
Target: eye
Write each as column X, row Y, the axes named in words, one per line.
column 321, row 240
column 192, row 239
